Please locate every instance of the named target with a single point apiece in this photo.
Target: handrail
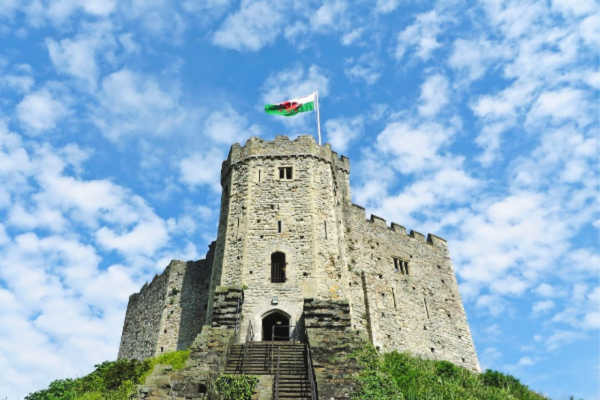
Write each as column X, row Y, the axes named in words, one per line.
column 276, row 378
column 238, row 312
column 246, row 345
column 310, row 372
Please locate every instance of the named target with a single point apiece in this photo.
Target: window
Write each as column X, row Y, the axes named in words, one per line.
column 278, row 267
column 278, row 226
column 285, row 172
column 400, row 265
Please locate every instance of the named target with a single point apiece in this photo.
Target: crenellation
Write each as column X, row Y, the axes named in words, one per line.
column 378, row 221
column 398, row 228
column 417, row 235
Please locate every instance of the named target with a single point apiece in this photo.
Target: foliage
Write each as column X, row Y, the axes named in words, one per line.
column 235, row 387
column 398, row 376
column 175, row 359
column 110, row 380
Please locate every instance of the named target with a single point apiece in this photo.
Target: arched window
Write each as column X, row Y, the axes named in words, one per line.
column 278, row 267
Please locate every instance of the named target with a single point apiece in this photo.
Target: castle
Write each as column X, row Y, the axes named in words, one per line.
column 295, row 258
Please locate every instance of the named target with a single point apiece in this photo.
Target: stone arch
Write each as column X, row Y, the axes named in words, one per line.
column 275, row 325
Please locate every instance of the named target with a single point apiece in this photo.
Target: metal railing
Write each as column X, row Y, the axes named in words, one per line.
column 276, row 377
column 310, row 372
column 246, row 345
column 238, row 314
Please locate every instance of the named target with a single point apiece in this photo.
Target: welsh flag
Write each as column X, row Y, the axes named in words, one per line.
column 292, row 107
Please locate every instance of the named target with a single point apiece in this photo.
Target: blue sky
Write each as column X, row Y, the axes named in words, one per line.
column 475, row 122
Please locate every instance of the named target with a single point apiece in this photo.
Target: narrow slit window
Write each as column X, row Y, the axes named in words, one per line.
column 394, row 297
column 404, row 267
column 396, row 264
column 259, row 176
column 278, row 226
column 325, row 227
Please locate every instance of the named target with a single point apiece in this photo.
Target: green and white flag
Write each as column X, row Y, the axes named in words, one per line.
column 293, row 106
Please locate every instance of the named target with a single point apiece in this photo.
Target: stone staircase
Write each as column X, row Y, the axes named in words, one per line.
column 261, row 359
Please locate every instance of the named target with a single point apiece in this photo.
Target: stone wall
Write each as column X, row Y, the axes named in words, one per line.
column 411, row 304
column 332, row 343
column 168, row 313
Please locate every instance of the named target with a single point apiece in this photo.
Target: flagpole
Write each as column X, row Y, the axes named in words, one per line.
column 318, row 116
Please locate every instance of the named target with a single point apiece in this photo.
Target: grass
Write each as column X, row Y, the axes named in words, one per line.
column 110, row 380
column 398, row 376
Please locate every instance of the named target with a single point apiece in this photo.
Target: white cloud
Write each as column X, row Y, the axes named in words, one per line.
column 227, row 126
column 255, row 25
column 546, row 290
column 352, row 36
column 415, row 147
column 341, row 131
column 590, row 30
column 146, row 237
column 434, row 95
column 40, row 111
column 542, row 306
column 421, row 35
column 491, row 303
column 77, row 56
column 386, row 6
column 198, row 168
column 131, row 103
column 329, row 15
column 474, row 57
column 578, row 8
column 295, row 82
column 562, row 338
column 367, row 67
column 566, row 103
column 18, row 78
column 525, row 362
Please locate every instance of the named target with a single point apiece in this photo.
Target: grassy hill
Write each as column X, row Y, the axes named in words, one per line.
column 390, row 376
column 398, row 376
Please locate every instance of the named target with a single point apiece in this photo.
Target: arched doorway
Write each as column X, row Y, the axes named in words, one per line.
column 275, row 326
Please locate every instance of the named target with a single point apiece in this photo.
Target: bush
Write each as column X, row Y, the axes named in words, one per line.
column 110, row 380
column 399, row 376
column 235, row 387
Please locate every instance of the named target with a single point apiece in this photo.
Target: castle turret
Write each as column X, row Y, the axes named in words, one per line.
column 280, row 232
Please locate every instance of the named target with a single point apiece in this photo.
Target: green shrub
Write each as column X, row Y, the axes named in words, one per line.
column 110, row 380
column 399, row 376
column 235, row 387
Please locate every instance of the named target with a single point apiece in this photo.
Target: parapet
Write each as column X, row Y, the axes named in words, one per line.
column 282, row 146
column 359, row 213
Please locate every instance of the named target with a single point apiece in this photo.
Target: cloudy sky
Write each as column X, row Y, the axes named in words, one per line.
column 478, row 123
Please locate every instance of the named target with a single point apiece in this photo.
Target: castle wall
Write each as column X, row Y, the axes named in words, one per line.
column 419, row 311
column 167, row 314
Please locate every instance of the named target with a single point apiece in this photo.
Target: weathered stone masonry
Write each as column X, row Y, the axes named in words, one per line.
column 392, row 287
column 168, row 313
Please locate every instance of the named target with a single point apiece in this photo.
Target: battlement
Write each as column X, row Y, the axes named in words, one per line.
column 284, row 147
column 380, row 223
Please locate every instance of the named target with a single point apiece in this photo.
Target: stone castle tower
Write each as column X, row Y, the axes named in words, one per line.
column 294, row 257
